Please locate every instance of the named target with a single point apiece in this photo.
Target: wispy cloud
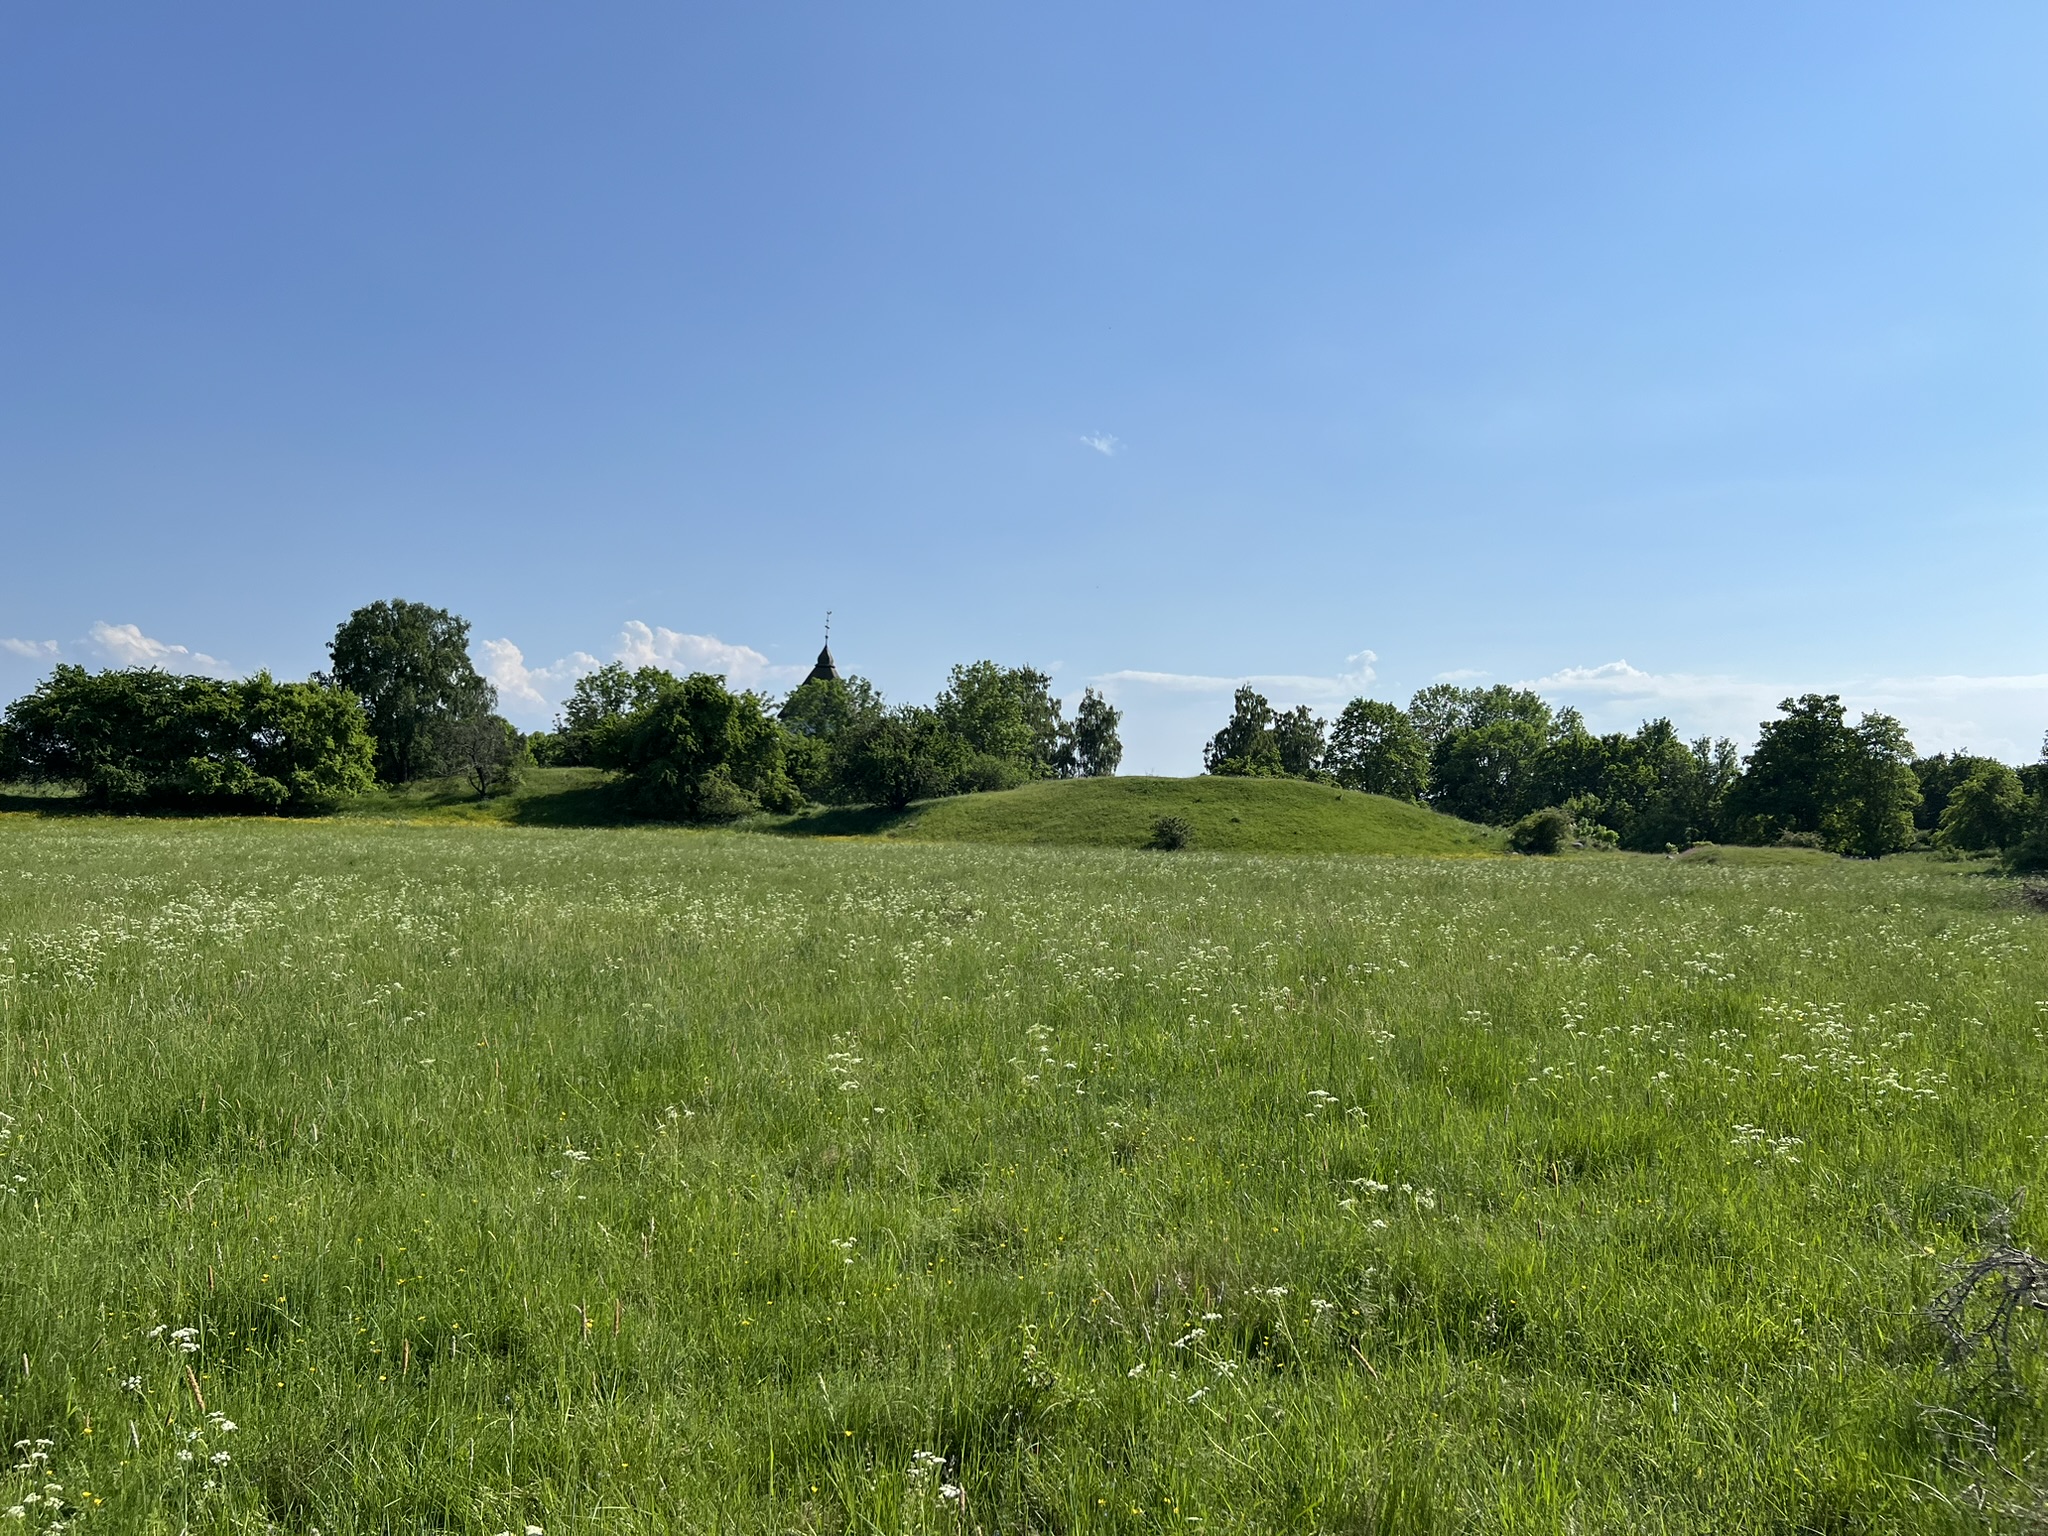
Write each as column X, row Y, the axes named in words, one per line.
column 1458, row 675
column 2000, row 714
column 125, row 645
column 34, row 650
column 531, row 691
column 1294, row 687
column 1103, row 443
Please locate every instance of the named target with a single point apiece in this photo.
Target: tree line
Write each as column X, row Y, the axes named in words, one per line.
column 690, row 747
column 401, row 701
column 1504, row 756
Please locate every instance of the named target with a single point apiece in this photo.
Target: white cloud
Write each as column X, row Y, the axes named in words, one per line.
column 34, row 650
column 2002, row 715
column 1103, row 443
column 530, row 688
column 741, row 665
column 530, row 692
column 1295, row 687
column 1459, row 675
column 125, row 645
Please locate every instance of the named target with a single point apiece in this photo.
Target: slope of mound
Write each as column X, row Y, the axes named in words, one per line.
column 1227, row 815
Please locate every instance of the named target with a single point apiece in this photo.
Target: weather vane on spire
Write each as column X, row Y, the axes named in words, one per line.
column 827, row 670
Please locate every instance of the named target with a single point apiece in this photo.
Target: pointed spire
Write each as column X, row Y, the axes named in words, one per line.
column 826, row 670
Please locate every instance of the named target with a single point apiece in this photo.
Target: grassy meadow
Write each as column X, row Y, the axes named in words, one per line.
column 496, row 1178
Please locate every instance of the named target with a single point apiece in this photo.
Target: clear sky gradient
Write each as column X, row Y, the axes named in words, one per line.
column 1675, row 357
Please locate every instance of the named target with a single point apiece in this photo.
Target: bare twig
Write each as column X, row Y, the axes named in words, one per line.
column 1985, row 1297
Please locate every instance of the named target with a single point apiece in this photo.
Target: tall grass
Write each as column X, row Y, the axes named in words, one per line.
column 659, row 1181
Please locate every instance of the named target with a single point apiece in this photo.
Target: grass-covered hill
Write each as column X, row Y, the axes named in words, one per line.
column 1227, row 815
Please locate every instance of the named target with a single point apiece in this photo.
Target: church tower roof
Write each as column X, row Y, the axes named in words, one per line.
column 826, row 670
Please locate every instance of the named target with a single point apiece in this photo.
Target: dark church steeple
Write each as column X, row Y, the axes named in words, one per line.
column 826, row 670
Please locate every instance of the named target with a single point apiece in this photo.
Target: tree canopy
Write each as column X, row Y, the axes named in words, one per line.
column 141, row 739
column 409, row 665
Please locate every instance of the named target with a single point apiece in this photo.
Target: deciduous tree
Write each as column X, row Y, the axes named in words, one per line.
column 1375, row 747
column 409, row 665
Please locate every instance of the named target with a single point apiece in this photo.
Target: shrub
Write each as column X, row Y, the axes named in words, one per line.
column 1170, row 833
column 693, row 750
column 901, row 756
column 144, row 739
column 1541, row 832
column 2029, row 856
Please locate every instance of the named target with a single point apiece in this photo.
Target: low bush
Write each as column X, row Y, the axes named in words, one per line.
column 1170, row 833
column 1541, row 832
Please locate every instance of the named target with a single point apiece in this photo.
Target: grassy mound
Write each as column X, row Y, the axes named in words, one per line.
column 1226, row 815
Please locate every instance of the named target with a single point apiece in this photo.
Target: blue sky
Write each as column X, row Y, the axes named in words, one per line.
column 1672, row 358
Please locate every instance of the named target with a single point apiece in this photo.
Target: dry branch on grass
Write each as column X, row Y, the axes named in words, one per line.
column 1985, row 1297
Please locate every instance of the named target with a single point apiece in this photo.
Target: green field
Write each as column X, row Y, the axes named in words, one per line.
column 655, row 1180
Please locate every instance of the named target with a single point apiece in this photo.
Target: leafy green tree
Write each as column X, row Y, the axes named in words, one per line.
column 1939, row 775
column 1986, row 811
column 484, row 749
column 825, row 707
column 903, row 755
column 1437, row 711
column 1485, row 773
column 309, row 737
column 1812, row 774
column 140, row 739
column 1652, row 789
column 1090, row 747
column 1870, row 810
column 1245, row 747
column 1298, row 738
column 821, row 718
column 693, row 750
column 598, row 700
column 410, row 666
column 1442, row 710
column 1004, row 713
column 1375, row 747
column 1790, row 779
column 1484, row 748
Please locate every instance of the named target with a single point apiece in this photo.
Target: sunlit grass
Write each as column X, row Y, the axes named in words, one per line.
column 654, row 1180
